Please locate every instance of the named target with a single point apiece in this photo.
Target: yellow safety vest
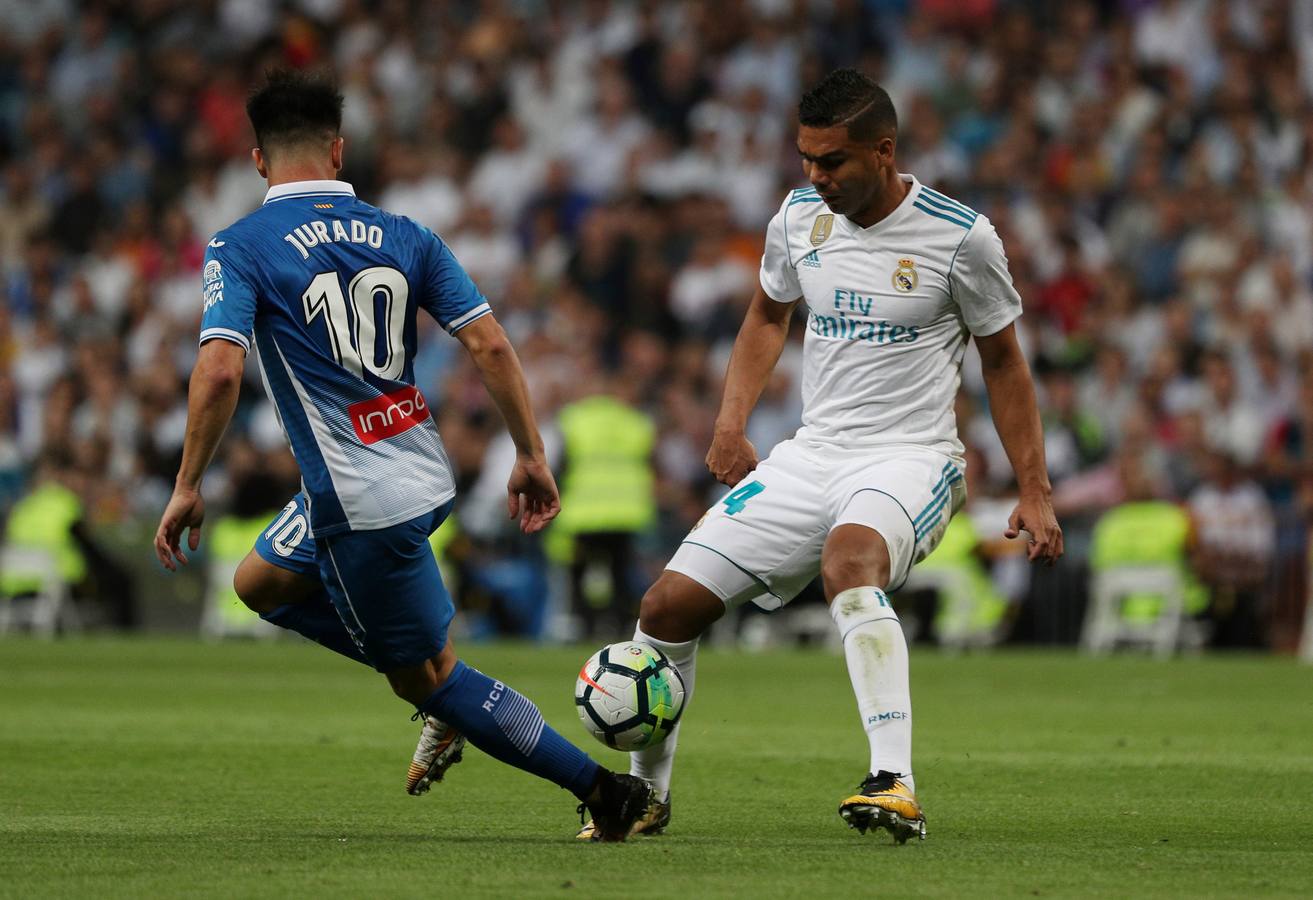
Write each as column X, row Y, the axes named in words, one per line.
column 608, row 483
column 43, row 520
column 957, row 550
column 227, row 543
column 1147, row 533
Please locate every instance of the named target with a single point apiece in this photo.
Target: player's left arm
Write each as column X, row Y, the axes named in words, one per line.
column 982, row 288
column 1016, row 418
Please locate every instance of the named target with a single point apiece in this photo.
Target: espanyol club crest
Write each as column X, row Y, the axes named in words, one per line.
column 213, row 283
column 905, row 277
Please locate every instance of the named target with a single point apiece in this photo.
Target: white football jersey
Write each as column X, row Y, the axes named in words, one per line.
column 890, row 308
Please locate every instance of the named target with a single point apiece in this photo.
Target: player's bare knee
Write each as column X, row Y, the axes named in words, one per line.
column 253, row 588
column 854, row 556
column 678, row 609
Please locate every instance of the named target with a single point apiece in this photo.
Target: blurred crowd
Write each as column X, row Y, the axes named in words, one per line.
column 605, row 170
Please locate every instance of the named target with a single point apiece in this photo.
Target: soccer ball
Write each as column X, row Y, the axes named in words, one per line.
column 629, row 695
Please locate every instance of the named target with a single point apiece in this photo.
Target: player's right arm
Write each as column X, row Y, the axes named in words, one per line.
column 212, row 393
column 756, row 351
column 227, row 324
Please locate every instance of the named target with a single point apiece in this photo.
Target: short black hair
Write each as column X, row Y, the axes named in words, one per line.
column 847, row 97
column 294, row 108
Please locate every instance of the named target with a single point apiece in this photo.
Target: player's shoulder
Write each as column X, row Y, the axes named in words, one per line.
column 235, row 242
column 937, row 211
column 402, row 226
column 800, row 211
column 240, row 235
column 801, row 203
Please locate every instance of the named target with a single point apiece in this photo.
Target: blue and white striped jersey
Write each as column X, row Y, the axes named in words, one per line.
column 327, row 288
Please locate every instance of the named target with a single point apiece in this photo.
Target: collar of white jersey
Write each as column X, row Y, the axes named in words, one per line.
column 914, row 188
column 294, row 189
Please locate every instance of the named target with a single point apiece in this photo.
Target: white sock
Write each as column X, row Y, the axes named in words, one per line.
column 876, row 651
column 654, row 764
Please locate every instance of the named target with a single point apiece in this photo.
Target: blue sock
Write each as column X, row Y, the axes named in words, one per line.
column 504, row 724
column 318, row 620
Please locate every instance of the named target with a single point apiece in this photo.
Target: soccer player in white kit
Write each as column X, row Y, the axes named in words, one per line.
column 896, row 278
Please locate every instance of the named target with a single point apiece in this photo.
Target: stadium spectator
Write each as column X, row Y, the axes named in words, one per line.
column 1234, row 544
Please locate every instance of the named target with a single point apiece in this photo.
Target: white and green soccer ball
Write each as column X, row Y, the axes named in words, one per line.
column 629, row 695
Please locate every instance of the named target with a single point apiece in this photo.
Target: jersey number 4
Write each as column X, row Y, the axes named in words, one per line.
column 737, row 499
column 380, row 289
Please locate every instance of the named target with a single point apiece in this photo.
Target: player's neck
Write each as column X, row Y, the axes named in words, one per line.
column 892, row 193
column 294, row 172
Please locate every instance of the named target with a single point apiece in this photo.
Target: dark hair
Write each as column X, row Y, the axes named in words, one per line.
column 847, row 97
column 295, row 108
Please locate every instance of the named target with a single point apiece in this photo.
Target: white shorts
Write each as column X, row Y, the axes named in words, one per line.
column 762, row 541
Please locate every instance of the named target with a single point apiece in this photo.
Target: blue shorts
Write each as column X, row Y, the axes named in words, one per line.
column 287, row 543
column 386, row 587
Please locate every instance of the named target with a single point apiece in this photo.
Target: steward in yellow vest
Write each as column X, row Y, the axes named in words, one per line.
column 607, row 497
column 1147, row 533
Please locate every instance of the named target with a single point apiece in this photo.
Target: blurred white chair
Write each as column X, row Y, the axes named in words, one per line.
column 1106, row 626
column 810, row 623
column 223, row 614
column 51, row 607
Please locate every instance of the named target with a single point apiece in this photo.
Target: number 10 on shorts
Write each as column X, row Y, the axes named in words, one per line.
column 738, row 498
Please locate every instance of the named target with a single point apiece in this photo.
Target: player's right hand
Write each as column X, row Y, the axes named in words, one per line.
column 186, row 510
column 531, row 494
column 731, row 457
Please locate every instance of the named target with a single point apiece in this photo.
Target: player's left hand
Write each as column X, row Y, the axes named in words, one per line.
column 531, row 494
column 186, row 510
column 1034, row 514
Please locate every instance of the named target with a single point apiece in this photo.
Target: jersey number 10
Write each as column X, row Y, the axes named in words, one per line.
column 358, row 352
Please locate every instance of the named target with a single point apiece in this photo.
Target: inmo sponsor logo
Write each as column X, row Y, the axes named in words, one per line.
column 389, row 415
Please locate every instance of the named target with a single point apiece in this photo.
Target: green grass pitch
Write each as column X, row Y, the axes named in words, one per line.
column 149, row 768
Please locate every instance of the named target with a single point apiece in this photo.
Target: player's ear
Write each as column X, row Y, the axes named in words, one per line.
column 261, row 166
column 336, row 151
column 884, row 148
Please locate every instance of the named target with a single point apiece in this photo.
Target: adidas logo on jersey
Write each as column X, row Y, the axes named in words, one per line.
column 812, row 260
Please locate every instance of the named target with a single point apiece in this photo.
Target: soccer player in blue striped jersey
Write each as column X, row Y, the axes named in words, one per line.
column 327, row 289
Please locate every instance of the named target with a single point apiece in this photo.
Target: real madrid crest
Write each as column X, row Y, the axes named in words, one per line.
column 821, row 229
column 905, row 277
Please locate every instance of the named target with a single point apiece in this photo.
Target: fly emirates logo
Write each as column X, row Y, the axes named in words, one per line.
column 389, row 415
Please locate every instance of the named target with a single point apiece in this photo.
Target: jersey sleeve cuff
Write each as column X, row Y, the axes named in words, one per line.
column 995, row 324
column 460, row 322
column 779, row 295
column 226, row 334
